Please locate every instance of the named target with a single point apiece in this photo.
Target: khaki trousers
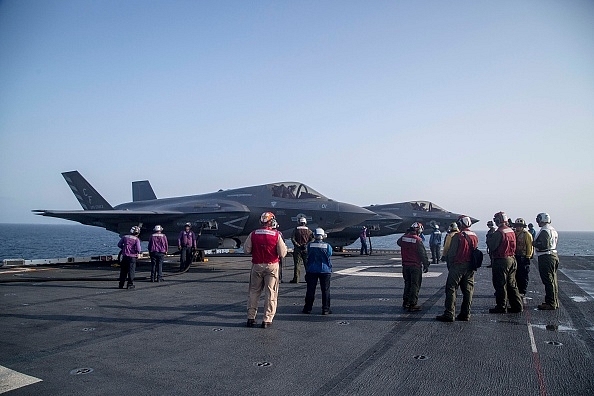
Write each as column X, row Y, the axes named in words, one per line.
column 263, row 277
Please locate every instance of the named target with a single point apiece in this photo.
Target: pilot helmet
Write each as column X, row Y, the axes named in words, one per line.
column 135, row 230
column 464, row 221
column 266, row 217
column 543, row 218
column 520, row 222
column 302, row 220
column 320, row 233
column 158, row 228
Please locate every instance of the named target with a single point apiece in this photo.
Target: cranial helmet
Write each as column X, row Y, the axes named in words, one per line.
column 454, row 227
column 543, row 218
column 464, row 221
column 418, row 227
column 158, row 228
column 319, row 233
column 135, row 230
column 188, row 225
column 302, row 220
column 274, row 224
column 490, row 223
column 520, row 222
column 436, row 226
column 266, row 217
column 500, row 218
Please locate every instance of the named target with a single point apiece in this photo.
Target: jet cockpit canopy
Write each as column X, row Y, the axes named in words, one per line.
column 293, row 190
column 426, row 206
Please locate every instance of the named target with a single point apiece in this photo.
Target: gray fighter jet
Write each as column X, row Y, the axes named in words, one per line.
column 385, row 223
column 224, row 218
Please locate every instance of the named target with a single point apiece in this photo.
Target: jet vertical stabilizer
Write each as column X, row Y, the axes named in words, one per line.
column 142, row 191
column 87, row 196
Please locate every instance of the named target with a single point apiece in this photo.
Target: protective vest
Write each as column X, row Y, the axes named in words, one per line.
column 302, row 235
column 546, row 240
column 318, row 258
column 264, row 242
column 507, row 247
column 464, row 248
column 410, row 250
column 522, row 247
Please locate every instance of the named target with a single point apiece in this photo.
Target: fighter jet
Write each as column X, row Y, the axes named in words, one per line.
column 224, row 218
column 424, row 212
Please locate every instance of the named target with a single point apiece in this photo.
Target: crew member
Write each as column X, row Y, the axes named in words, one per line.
column 452, row 230
column 267, row 247
column 186, row 243
column 532, row 230
column 502, row 245
column 414, row 262
column 524, row 253
column 157, row 247
column 319, row 267
column 301, row 237
column 548, row 261
column 363, row 239
column 460, row 272
column 490, row 232
column 130, row 245
column 435, row 244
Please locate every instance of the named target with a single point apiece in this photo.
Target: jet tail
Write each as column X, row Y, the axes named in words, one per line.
column 87, row 196
column 142, row 191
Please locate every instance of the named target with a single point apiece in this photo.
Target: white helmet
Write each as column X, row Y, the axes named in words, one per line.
column 302, row 220
column 135, row 230
column 320, row 233
column 436, row 226
column 464, row 221
column 418, row 227
column 158, row 228
column 543, row 218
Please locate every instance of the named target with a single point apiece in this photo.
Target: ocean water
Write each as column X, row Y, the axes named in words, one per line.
column 42, row 241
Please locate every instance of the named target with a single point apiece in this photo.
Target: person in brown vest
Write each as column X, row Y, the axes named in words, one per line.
column 524, row 252
column 414, row 262
column 301, row 237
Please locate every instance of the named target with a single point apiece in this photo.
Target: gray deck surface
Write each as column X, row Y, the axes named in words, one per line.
column 187, row 335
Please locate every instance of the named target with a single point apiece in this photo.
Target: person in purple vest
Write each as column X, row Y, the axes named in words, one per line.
column 157, row 248
column 130, row 245
column 186, row 243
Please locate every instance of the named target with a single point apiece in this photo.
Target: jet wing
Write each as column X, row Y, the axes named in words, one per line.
column 103, row 217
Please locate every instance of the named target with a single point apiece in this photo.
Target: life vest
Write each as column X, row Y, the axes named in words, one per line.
column 507, row 247
column 264, row 242
column 464, row 248
column 409, row 250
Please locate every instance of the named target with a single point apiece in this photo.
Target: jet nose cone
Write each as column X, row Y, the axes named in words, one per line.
column 474, row 220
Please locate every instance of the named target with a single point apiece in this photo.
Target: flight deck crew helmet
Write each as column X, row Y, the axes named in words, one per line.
column 500, row 218
column 490, row 223
column 453, row 227
column 320, row 233
column 464, row 221
column 135, row 230
column 274, row 224
column 188, row 225
column 543, row 218
column 158, row 228
column 417, row 227
column 520, row 222
column 302, row 220
column 436, row 226
column 266, row 217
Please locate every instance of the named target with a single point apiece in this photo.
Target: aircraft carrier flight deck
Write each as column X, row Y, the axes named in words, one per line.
column 79, row 334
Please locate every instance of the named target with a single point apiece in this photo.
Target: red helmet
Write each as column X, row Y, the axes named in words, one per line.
column 500, row 218
column 266, row 217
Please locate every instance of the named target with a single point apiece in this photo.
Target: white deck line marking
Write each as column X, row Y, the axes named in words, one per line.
column 532, row 342
column 360, row 271
column 11, row 380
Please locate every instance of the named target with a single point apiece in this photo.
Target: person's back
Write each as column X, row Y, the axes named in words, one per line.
column 318, row 268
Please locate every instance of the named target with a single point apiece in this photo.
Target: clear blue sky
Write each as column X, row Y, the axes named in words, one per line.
column 478, row 106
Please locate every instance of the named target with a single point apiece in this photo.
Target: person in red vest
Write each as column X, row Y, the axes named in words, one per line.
column 267, row 247
column 459, row 272
column 414, row 263
column 502, row 245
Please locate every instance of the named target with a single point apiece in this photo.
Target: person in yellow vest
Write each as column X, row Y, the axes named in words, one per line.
column 452, row 230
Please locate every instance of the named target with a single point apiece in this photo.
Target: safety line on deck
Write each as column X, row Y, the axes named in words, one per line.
column 535, row 355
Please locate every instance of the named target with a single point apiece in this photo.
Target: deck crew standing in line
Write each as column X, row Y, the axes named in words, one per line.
column 532, row 231
column 157, row 247
column 414, row 263
column 186, row 243
column 130, row 245
column 502, row 245
column 548, row 260
column 460, row 272
column 267, row 247
column 435, row 244
column 523, row 254
column 301, row 237
column 318, row 267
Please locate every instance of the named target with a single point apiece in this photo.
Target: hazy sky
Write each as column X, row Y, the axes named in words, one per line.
column 478, row 106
